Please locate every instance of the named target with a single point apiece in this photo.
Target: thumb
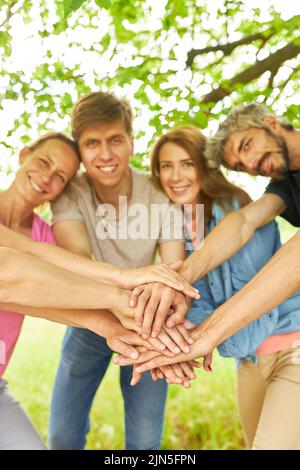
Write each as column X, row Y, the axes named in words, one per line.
column 176, row 318
column 176, row 266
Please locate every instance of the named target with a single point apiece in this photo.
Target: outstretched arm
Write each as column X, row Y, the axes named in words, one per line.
column 230, row 235
column 27, row 280
column 78, row 262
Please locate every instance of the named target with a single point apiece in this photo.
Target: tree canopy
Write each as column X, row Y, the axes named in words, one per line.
column 178, row 61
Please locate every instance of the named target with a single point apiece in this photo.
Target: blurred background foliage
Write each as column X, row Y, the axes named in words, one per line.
column 178, row 61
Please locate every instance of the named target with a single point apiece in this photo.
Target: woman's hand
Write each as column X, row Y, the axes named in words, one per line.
column 163, row 273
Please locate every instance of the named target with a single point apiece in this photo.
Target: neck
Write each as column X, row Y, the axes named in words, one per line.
column 293, row 143
column 14, row 211
column 110, row 194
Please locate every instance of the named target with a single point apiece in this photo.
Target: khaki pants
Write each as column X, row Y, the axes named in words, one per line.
column 269, row 400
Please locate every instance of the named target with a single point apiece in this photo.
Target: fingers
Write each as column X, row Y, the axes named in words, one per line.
column 133, row 298
column 125, row 344
column 123, row 360
column 189, row 325
column 185, row 333
column 135, row 377
column 162, row 311
column 188, row 370
column 159, row 345
column 150, row 311
column 123, row 348
column 179, row 316
column 144, row 295
column 207, row 362
column 168, row 341
column 159, row 361
column 184, row 287
column 178, row 339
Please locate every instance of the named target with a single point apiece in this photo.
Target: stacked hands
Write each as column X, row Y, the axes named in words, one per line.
column 157, row 336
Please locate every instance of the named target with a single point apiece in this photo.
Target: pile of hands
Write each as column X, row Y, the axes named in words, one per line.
column 159, row 338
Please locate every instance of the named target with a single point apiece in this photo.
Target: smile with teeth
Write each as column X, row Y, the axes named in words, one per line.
column 36, row 186
column 180, row 190
column 107, row 169
column 266, row 166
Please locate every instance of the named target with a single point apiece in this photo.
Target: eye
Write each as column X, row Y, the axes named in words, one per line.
column 62, row 179
column 44, row 161
column 116, row 140
column 92, row 143
column 247, row 144
column 165, row 166
column 188, row 164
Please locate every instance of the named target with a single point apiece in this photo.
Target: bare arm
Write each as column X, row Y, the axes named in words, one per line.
column 230, row 235
column 29, row 281
column 273, row 284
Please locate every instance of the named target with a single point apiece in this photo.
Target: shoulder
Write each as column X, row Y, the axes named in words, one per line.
column 80, row 183
column 41, row 230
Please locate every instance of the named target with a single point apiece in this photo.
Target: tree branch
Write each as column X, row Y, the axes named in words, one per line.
column 9, row 12
column 271, row 63
column 227, row 48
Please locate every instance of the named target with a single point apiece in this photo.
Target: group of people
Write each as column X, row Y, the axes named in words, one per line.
column 223, row 281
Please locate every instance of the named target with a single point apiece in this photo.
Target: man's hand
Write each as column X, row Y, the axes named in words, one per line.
column 153, row 303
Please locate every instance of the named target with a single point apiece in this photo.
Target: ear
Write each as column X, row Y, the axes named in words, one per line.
column 23, row 154
column 273, row 123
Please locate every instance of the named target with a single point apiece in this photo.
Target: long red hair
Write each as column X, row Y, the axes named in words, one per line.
column 215, row 188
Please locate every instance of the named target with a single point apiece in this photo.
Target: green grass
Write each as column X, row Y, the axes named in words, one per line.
column 203, row 417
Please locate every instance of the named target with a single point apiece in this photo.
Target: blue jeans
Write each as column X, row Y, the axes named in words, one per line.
column 84, row 361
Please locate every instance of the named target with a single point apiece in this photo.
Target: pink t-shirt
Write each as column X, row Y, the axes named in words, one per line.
column 11, row 323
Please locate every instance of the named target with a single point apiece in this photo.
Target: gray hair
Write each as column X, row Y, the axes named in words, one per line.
column 240, row 118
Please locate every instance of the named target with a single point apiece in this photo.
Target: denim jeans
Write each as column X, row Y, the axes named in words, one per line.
column 85, row 359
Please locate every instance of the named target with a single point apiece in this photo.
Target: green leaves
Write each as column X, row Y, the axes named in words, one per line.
column 5, row 39
column 72, row 5
column 103, row 3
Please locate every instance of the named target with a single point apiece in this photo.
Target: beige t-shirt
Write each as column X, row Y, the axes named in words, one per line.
column 130, row 239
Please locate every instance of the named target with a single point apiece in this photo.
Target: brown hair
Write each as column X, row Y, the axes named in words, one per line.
column 57, row 136
column 215, row 188
column 100, row 107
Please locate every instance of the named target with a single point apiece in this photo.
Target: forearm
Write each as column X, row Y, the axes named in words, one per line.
column 102, row 272
column 98, row 321
column 27, row 280
column 224, row 241
column 275, row 283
